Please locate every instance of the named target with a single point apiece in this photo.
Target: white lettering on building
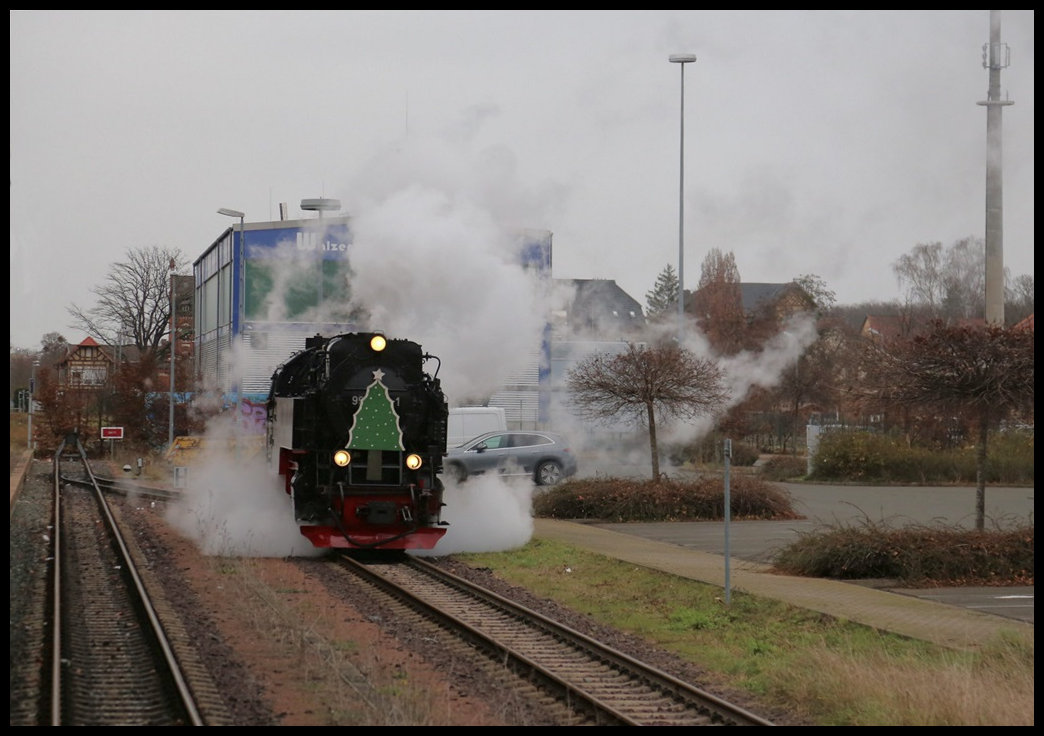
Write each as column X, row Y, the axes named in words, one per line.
column 310, row 241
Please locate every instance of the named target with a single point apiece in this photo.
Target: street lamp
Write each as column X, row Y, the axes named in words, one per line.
column 173, row 344
column 681, row 60
column 239, row 301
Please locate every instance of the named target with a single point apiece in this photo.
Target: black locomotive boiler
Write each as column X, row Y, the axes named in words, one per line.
column 357, row 429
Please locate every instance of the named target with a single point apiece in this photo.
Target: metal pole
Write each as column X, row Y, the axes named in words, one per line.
column 681, row 60
column 242, row 318
column 173, row 345
column 239, row 317
column 681, row 209
column 728, row 516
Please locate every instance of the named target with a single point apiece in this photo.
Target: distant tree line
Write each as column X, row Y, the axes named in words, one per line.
column 827, row 382
column 842, row 377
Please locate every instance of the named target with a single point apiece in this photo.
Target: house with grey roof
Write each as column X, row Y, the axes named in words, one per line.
column 595, row 308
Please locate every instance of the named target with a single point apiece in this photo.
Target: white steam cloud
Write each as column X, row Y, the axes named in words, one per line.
column 434, row 260
column 439, row 271
column 233, row 506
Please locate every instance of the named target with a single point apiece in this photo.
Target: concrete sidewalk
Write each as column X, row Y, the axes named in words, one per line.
column 949, row 626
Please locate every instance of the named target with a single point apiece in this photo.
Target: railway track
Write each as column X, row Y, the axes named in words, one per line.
column 123, row 487
column 592, row 684
column 572, row 676
column 118, row 655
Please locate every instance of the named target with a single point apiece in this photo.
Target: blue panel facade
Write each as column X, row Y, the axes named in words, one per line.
column 262, row 292
column 535, row 255
column 259, row 295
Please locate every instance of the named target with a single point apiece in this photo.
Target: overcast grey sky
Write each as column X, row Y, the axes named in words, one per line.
column 822, row 142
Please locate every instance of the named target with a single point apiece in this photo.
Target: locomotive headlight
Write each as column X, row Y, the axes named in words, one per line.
column 413, row 461
column 342, row 458
column 378, row 343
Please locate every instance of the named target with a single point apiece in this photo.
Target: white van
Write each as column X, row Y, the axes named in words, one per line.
column 466, row 422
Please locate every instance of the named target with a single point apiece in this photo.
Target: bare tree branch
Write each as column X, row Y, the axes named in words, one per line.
column 134, row 300
column 646, row 385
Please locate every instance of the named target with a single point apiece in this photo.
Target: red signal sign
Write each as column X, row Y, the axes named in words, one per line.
column 112, row 433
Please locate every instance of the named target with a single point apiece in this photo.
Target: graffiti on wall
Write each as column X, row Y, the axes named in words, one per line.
column 252, row 417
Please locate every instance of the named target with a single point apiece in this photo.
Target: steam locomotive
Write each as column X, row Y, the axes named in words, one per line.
column 357, row 429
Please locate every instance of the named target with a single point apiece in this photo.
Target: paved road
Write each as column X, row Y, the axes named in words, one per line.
column 904, row 505
column 826, row 506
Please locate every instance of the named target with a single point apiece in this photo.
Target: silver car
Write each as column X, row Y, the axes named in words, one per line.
column 543, row 456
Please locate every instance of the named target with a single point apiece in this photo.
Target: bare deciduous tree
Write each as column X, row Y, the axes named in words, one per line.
column 646, row 384
column 965, row 279
column 717, row 303
column 985, row 373
column 134, row 300
column 817, row 289
column 948, row 283
column 134, row 402
column 718, row 268
column 810, row 384
column 65, row 409
column 921, row 272
column 1018, row 300
column 53, row 348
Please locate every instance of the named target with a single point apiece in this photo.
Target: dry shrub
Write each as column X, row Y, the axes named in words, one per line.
column 620, row 500
column 915, row 555
column 784, row 467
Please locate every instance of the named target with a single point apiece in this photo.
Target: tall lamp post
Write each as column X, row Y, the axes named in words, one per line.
column 681, row 60
column 173, row 344
column 239, row 301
